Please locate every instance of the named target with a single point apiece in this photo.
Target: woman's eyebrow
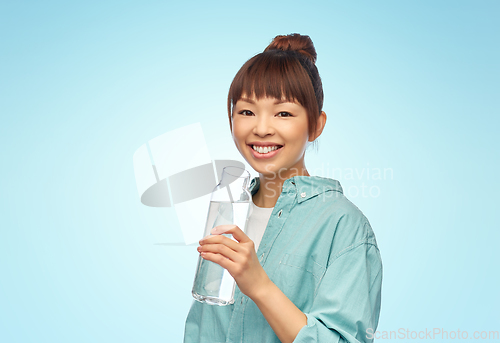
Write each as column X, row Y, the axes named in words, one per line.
column 250, row 101
column 283, row 101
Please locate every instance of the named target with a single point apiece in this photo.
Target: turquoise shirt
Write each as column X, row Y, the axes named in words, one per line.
column 320, row 250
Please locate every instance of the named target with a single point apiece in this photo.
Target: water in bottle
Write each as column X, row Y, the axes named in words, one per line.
column 230, row 204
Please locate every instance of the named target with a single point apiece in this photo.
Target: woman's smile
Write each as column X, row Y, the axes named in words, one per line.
column 265, row 151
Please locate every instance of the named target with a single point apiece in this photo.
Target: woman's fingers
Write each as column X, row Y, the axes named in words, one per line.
column 237, row 233
column 220, row 249
column 220, row 239
column 238, row 257
column 220, row 260
column 240, row 242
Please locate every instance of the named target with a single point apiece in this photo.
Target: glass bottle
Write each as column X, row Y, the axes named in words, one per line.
column 229, row 204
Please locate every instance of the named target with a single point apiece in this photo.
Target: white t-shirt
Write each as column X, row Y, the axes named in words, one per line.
column 257, row 223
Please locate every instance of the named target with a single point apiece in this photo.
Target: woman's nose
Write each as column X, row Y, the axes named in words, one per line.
column 263, row 126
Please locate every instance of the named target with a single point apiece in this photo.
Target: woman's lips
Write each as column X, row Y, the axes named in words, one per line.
column 264, row 156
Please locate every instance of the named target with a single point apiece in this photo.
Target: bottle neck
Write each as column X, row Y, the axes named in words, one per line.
column 236, row 186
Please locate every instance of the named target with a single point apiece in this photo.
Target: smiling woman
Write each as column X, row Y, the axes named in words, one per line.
column 308, row 268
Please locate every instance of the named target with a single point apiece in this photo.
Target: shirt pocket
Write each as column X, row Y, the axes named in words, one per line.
column 298, row 277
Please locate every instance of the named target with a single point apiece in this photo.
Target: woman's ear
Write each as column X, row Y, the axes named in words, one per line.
column 319, row 126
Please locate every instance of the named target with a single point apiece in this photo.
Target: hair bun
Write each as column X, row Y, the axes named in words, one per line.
column 294, row 42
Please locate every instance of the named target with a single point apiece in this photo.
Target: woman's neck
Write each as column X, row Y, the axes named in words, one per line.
column 270, row 188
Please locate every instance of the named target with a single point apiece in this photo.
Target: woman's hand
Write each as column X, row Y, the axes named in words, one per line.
column 239, row 258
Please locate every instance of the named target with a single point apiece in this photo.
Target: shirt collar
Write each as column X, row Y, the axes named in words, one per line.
column 306, row 187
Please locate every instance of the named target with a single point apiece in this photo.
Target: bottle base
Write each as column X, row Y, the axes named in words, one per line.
column 212, row 300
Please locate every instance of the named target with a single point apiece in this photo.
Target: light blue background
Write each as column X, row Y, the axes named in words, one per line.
column 409, row 85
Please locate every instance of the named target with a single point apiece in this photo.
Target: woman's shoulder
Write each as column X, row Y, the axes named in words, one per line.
column 328, row 195
column 340, row 217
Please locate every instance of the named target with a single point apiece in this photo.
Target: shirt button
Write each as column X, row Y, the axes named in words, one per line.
column 261, row 257
column 279, row 213
column 241, row 302
column 303, row 195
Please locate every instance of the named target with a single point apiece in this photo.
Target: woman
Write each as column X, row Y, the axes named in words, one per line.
column 308, row 269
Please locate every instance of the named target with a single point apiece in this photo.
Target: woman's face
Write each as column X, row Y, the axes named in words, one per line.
column 279, row 129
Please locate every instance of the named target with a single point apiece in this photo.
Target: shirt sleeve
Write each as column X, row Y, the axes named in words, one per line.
column 346, row 305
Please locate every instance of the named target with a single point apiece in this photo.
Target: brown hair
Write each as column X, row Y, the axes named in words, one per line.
column 285, row 69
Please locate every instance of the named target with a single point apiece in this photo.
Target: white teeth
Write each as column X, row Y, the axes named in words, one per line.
column 264, row 150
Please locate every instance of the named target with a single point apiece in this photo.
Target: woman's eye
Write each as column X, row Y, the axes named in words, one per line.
column 245, row 112
column 285, row 114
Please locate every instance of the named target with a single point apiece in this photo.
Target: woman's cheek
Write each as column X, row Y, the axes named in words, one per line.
column 238, row 138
